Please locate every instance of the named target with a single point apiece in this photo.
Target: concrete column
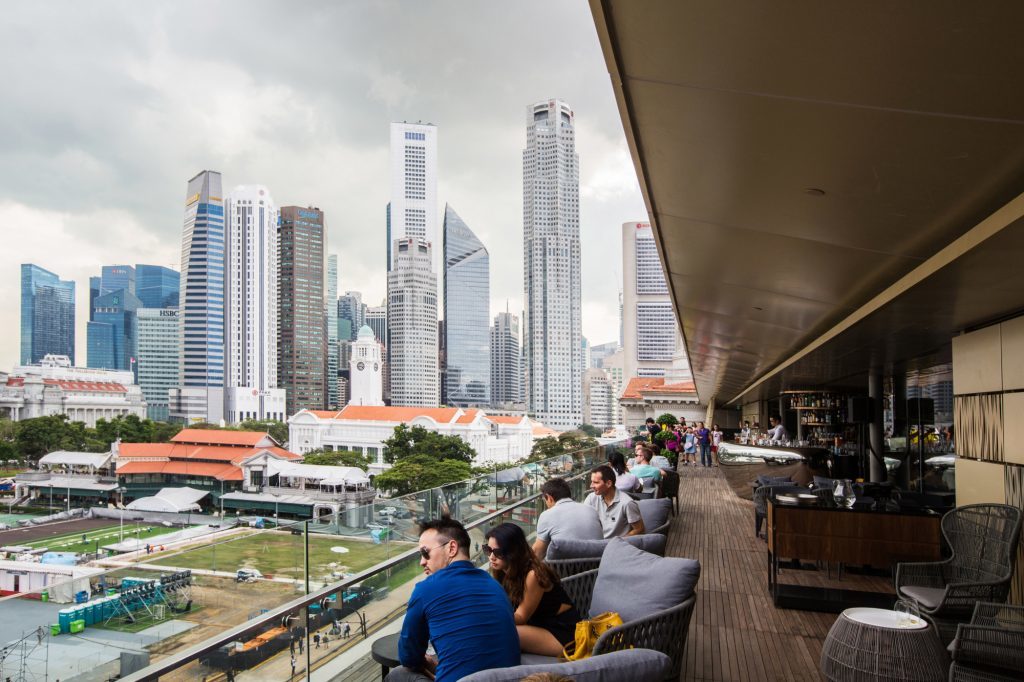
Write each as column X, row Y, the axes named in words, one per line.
column 875, row 440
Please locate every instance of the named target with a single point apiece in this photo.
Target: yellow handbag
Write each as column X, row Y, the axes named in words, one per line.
column 587, row 634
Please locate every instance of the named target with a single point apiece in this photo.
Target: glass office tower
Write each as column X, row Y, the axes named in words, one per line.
column 47, row 315
column 467, row 300
column 157, row 286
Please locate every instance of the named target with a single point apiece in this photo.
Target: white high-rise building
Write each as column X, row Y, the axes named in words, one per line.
column 651, row 337
column 158, row 361
column 506, row 369
column 552, row 339
column 412, row 325
column 250, row 306
column 599, row 399
column 366, row 370
column 199, row 395
column 413, row 209
column 330, row 303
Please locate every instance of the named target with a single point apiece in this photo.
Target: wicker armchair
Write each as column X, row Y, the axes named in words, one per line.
column 664, row 631
column 984, row 539
column 761, row 496
column 991, row 647
column 567, row 567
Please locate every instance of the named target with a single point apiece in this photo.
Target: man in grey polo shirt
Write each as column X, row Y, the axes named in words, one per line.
column 619, row 513
column 564, row 517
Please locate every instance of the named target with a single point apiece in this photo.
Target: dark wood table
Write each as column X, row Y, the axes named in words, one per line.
column 384, row 650
column 854, row 537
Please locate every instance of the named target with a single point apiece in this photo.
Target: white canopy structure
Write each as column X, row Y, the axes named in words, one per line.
column 324, row 474
column 174, row 500
column 64, row 458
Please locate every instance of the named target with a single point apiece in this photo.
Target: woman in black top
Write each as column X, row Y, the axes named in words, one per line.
column 544, row 615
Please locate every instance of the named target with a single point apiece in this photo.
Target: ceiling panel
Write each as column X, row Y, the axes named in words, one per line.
column 909, row 119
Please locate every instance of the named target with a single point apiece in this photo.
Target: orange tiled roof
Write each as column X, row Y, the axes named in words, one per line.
column 221, row 472
column 467, row 417
column 325, row 414
column 219, row 437
column 442, row 415
column 639, row 385
column 541, row 430
column 83, row 386
column 188, row 451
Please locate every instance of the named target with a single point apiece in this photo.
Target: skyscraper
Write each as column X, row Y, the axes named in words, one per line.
column 157, row 286
column 598, row 398
column 200, row 393
column 331, row 305
column 250, row 306
column 377, row 320
column 506, row 366
column 651, row 336
column 158, row 359
column 413, row 208
column 467, row 298
column 412, row 325
column 551, row 266
column 352, row 308
column 111, row 334
column 47, row 315
column 302, row 342
column 114, row 277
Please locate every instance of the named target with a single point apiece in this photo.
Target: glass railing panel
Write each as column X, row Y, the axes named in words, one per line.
column 227, row 592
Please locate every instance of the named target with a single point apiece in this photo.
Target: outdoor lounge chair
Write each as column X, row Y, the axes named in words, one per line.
column 636, row 665
column 569, row 557
column 657, row 618
column 761, row 496
column 984, row 540
column 991, row 646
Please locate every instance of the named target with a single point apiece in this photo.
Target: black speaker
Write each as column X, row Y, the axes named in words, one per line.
column 858, row 410
column 921, row 411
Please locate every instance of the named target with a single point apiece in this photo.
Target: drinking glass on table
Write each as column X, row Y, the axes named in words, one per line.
column 907, row 614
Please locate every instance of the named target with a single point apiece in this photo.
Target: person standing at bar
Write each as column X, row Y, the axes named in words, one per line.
column 777, row 433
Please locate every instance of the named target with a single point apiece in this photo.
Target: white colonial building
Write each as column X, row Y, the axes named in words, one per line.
column 84, row 394
column 366, row 370
column 363, row 429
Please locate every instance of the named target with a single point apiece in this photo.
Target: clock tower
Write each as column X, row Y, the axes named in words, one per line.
column 365, row 370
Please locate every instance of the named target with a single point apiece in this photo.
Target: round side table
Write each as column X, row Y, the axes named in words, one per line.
column 881, row 645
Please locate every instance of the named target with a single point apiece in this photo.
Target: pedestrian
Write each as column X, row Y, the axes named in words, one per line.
column 293, row 665
column 302, row 638
column 347, row 630
column 231, row 675
column 326, row 641
column 316, row 640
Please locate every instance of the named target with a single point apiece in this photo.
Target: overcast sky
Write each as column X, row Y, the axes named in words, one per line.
column 109, row 107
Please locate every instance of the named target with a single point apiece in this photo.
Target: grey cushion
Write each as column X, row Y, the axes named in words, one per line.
column 635, row 665
column 655, row 583
column 561, row 548
column 655, row 513
column 928, row 597
column 769, row 480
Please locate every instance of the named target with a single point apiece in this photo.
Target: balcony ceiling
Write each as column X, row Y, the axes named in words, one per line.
column 833, row 186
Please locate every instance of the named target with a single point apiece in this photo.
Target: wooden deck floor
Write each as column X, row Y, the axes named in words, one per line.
column 736, row 632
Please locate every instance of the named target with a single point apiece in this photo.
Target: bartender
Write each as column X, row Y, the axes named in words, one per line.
column 777, row 434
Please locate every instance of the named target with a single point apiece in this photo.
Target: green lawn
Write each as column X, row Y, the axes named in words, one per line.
column 281, row 554
column 110, row 535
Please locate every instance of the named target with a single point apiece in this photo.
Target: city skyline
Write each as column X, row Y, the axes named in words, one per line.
column 325, row 145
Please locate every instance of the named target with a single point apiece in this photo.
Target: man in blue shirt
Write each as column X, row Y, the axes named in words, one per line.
column 460, row 609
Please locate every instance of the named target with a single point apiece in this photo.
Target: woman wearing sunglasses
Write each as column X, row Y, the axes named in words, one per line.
column 545, row 616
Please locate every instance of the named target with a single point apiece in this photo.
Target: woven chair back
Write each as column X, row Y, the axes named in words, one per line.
column 984, row 540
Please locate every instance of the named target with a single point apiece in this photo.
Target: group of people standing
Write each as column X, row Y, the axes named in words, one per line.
column 477, row 621
column 690, row 441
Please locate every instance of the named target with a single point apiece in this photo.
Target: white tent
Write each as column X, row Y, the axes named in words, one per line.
column 94, row 460
column 170, row 500
column 330, row 475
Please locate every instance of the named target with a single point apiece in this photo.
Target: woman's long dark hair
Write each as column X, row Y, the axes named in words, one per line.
column 520, row 560
column 618, row 462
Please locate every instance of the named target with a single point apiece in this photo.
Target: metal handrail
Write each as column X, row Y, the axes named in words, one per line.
column 175, row 661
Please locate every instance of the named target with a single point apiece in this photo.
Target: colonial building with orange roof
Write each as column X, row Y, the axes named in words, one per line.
column 84, row 394
column 364, row 428
column 242, row 470
column 646, row 397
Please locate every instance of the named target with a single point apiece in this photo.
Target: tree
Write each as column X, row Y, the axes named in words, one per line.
column 545, row 448
column 337, row 458
column 406, row 442
column 667, row 419
column 590, row 430
column 40, row 435
column 575, row 440
column 420, row 472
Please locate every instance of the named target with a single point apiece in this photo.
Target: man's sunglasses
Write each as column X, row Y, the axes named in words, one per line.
column 425, row 551
column 488, row 551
